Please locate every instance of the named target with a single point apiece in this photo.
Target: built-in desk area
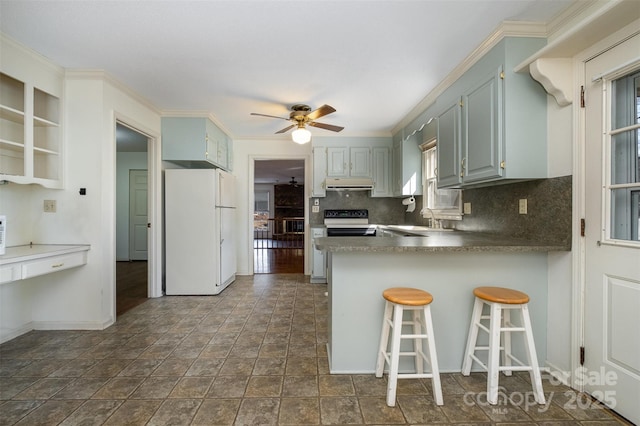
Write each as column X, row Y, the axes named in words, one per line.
column 31, row 260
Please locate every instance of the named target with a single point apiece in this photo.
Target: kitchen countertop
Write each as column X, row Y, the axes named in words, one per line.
column 435, row 241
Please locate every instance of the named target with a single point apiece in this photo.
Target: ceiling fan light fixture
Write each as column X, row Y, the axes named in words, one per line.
column 301, row 135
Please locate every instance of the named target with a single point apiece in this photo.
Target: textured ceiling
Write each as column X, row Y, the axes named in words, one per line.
column 372, row 60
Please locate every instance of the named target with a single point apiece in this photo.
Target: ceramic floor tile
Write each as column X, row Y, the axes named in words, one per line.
column 340, row 411
column 50, row 413
column 92, row 412
column 13, row 411
column 258, row 411
column 175, row 412
column 213, row 412
column 298, row 411
column 255, row 354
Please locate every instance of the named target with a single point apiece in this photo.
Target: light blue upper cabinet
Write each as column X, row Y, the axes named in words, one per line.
column 492, row 122
column 381, row 172
column 195, row 142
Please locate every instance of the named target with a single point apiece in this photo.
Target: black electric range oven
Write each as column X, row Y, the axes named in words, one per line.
column 348, row 223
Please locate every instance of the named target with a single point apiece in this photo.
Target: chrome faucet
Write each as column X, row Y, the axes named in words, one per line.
column 435, row 223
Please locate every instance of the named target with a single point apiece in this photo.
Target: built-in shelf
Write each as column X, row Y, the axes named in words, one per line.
column 30, row 136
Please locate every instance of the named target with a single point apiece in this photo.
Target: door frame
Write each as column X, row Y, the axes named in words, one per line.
column 154, row 206
column 307, row 196
column 579, row 192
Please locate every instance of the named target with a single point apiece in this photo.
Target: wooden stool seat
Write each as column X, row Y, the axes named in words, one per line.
column 418, row 303
column 407, row 296
column 497, row 324
column 501, row 295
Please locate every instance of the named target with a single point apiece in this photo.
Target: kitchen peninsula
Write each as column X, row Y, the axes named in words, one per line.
column 446, row 264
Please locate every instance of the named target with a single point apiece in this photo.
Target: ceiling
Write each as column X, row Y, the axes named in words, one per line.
column 372, row 60
column 278, row 171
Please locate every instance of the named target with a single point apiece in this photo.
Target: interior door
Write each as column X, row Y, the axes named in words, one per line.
column 612, row 248
column 138, row 214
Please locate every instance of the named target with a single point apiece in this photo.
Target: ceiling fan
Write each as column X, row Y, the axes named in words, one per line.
column 301, row 115
column 293, row 182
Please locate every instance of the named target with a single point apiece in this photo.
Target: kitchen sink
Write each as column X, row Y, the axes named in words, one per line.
column 417, row 229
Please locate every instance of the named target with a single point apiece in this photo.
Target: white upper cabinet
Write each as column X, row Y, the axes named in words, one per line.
column 195, row 142
column 492, row 121
column 30, row 131
column 349, row 162
column 319, row 171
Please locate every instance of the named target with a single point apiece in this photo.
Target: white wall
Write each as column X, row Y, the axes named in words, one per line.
column 84, row 297
column 125, row 161
column 244, row 152
column 559, row 297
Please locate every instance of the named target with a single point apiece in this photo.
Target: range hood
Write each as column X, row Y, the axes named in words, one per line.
column 349, row 184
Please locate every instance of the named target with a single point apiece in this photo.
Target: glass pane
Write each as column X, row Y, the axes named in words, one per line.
column 625, row 160
column 625, row 147
column 625, row 214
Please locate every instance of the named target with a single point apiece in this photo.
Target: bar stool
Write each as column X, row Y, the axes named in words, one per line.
column 398, row 300
column 501, row 301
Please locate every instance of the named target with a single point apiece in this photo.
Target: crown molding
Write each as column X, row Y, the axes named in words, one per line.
column 42, row 60
column 101, row 75
column 505, row 29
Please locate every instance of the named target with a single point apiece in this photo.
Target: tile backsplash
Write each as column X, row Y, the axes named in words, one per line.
column 493, row 209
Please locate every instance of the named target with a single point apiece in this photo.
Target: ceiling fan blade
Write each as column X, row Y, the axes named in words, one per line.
column 270, row 116
column 286, row 129
column 326, row 126
column 321, row 112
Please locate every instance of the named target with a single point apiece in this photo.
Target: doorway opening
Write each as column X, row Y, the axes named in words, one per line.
column 131, row 218
column 278, row 224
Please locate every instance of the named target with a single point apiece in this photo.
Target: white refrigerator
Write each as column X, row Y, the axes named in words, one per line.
column 199, row 231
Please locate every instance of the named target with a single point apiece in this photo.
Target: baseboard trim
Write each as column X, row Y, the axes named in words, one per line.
column 9, row 334
column 68, row 325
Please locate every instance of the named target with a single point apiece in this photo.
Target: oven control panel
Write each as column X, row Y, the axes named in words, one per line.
column 346, row 214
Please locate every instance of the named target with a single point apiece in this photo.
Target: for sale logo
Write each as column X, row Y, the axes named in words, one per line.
column 569, row 399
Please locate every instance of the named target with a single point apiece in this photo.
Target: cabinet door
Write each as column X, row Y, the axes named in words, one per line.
column 396, row 171
column 337, row 162
column 482, row 109
column 449, row 173
column 319, row 263
column 223, row 153
column 360, row 162
column 381, row 173
column 319, row 172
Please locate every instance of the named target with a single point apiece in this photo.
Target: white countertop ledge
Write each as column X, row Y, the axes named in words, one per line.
column 29, row 252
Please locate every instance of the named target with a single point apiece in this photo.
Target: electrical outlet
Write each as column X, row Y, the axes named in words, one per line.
column 467, row 208
column 316, row 202
column 522, row 206
column 315, row 209
column 50, row 206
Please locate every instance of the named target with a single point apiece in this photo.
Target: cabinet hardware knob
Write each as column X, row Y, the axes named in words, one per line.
column 57, row 265
column 502, row 164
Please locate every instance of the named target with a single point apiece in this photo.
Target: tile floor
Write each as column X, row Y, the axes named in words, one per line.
column 254, row 355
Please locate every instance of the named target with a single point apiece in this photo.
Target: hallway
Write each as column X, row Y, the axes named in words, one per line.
column 255, row 354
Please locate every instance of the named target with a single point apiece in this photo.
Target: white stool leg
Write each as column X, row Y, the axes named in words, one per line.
column 536, row 379
column 433, row 358
column 472, row 337
column 417, row 342
column 506, row 354
column 384, row 338
column 494, row 353
column 392, row 381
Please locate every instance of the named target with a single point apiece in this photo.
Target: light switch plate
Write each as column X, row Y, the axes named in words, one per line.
column 50, row 206
column 522, row 206
column 467, row 208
